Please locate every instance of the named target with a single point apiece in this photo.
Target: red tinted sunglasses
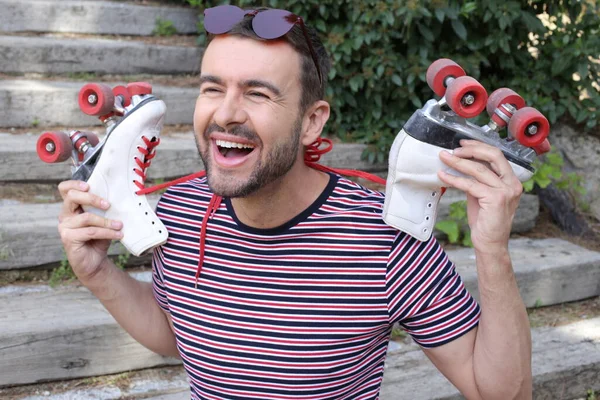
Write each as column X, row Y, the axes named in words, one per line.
column 267, row 24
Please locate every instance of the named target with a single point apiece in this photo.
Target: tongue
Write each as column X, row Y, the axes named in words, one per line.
column 233, row 153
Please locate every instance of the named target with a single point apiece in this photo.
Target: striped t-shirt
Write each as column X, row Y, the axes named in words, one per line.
column 304, row 310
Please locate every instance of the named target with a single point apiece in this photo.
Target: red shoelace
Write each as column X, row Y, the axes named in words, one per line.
column 149, row 154
column 312, row 156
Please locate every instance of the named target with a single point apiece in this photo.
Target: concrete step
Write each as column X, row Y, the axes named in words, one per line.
column 51, row 334
column 27, row 103
column 39, row 344
column 59, row 56
column 29, row 235
column 177, row 156
column 99, row 17
column 565, row 364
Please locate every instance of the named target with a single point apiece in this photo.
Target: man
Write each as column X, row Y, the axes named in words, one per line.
column 289, row 287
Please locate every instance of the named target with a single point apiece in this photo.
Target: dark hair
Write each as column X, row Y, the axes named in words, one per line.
column 312, row 90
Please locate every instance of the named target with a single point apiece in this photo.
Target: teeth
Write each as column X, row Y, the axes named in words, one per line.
column 231, row 145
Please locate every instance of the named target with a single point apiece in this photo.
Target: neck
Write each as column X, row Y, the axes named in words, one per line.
column 281, row 200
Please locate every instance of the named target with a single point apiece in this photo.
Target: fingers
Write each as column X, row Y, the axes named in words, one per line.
column 88, row 226
column 492, row 155
column 474, row 168
column 467, row 185
column 75, row 194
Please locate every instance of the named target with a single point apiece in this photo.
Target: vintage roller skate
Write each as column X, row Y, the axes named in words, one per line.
column 413, row 189
column 115, row 167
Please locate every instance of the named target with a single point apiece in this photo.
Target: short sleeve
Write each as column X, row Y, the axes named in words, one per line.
column 158, row 279
column 425, row 294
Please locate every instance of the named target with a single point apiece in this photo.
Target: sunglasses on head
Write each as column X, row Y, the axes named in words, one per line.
column 267, row 24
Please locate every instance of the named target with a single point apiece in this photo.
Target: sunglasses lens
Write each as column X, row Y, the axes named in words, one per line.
column 221, row 19
column 272, row 24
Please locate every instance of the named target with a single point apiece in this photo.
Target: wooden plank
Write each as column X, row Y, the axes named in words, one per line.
column 548, row 271
column 61, row 334
column 29, row 235
column 176, row 156
column 565, row 364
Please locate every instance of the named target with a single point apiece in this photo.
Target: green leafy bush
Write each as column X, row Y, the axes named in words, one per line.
column 550, row 170
column 456, row 227
column 164, row 27
column 381, row 50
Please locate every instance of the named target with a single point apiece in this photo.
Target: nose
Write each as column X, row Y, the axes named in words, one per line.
column 230, row 111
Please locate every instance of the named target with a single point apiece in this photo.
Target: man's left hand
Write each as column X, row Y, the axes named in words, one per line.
column 493, row 192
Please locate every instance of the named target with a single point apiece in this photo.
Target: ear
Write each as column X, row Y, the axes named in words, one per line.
column 314, row 120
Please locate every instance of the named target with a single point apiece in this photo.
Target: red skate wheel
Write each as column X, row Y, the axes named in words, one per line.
column 84, row 136
column 466, row 97
column 529, row 127
column 53, row 147
column 542, row 148
column 123, row 92
column 96, row 99
column 438, row 71
column 139, row 88
column 503, row 96
column 92, row 138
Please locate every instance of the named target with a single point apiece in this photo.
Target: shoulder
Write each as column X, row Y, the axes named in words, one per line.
column 352, row 193
column 192, row 193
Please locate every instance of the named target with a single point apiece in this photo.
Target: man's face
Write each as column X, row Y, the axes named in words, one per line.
column 247, row 125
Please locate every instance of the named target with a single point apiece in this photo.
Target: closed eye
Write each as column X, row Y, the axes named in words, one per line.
column 258, row 94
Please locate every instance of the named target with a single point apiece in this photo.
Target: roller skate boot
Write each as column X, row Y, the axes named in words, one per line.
column 115, row 167
column 413, row 189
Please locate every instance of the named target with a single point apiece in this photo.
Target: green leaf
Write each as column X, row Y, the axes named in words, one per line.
column 426, row 32
column 528, row 185
column 459, row 29
column 397, row 80
column 439, row 14
column 450, row 228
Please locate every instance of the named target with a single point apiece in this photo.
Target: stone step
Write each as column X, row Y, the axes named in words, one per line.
column 29, row 236
column 52, row 55
column 40, row 344
column 565, row 364
column 31, row 103
column 99, row 17
column 177, row 156
column 50, row 334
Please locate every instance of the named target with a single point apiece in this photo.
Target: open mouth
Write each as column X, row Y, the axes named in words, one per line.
column 233, row 149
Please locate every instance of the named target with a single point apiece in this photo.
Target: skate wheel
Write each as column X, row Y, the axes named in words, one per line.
column 542, row 148
column 438, row 71
column 503, row 96
column 91, row 137
column 466, row 97
column 139, row 88
column 53, row 147
column 529, row 127
column 123, row 92
column 96, row 99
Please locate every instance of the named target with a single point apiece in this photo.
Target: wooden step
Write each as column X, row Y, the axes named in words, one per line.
column 38, row 103
column 99, row 17
column 61, row 56
column 177, row 155
column 565, row 364
column 38, row 343
column 29, row 235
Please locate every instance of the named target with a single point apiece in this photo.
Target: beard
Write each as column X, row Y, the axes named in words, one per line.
column 277, row 163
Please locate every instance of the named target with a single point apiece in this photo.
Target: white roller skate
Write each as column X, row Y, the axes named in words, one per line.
column 115, row 167
column 413, row 189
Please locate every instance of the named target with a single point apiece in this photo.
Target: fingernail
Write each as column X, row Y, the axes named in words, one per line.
column 104, row 204
column 83, row 185
column 119, row 234
column 115, row 224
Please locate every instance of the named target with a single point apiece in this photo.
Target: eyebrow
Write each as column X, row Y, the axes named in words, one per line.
column 248, row 83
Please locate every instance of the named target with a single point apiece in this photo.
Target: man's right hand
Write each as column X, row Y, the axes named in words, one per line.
column 85, row 236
